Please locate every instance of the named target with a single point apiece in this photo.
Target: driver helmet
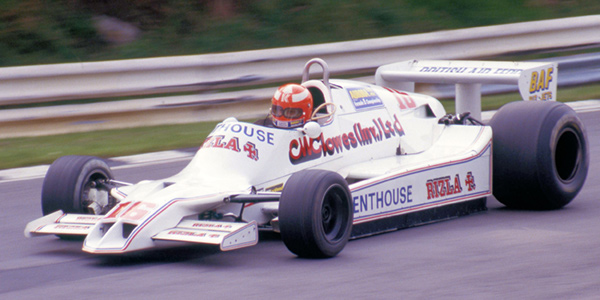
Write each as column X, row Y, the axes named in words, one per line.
column 291, row 106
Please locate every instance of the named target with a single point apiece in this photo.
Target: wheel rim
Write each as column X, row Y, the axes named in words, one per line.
column 89, row 193
column 334, row 214
column 567, row 155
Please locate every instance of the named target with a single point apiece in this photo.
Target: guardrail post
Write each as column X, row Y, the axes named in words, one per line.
column 468, row 99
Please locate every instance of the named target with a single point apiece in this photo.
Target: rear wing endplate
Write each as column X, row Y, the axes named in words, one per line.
column 536, row 80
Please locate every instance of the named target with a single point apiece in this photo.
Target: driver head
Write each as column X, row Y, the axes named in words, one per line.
column 291, row 106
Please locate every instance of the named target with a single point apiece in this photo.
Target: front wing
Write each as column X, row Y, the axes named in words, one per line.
column 228, row 235
column 60, row 223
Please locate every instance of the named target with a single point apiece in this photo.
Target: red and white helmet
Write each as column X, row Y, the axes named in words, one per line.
column 291, row 106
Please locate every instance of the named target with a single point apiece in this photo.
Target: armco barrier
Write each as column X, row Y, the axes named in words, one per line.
column 139, row 77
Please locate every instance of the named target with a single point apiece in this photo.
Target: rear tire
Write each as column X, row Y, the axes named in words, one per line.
column 68, row 182
column 315, row 214
column 540, row 155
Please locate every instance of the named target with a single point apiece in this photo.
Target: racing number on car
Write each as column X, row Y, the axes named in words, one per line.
column 137, row 211
column 404, row 99
column 117, row 210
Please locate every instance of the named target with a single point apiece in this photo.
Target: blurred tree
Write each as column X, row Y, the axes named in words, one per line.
column 54, row 31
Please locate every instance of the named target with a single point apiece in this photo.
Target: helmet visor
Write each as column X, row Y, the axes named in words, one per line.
column 288, row 112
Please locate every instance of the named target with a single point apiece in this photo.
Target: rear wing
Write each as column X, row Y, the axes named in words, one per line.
column 536, row 80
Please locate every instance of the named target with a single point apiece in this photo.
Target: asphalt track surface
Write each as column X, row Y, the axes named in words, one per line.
column 498, row 254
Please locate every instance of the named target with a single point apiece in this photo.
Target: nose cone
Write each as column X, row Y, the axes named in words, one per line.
column 149, row 209
column 118, row 231
column 115, row 236
column 132, row 226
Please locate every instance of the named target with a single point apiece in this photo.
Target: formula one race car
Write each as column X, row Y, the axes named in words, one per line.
column 372, row 159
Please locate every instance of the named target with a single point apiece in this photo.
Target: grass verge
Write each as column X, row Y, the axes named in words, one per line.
column 27, row 151
column 20, row 152
column 493, row 102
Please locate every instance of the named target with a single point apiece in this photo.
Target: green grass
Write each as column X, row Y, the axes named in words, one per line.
column 27, row 151
column 19, row 152
column 493, row 102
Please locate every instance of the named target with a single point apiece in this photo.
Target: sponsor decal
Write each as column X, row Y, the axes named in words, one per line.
column 212, row 226
column 423, row 188
column 250, row 131
column 380, row 200
column 218, row 139
column 233, row 144
column 288, row 124
column 88, row 218
column 470, row 182
column 193, row 234
column 306, row 149
column 470, row 70
column 364, row 97
column 540, row 82
column 445, row 186
column 72, row 227
column 275, row 188
column 251, row 150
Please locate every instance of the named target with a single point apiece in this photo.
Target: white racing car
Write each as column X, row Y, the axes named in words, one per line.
column 373, row 159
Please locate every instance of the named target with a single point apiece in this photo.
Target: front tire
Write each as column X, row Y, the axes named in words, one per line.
column 540, row 155
column 315, row 214
column 69, row 183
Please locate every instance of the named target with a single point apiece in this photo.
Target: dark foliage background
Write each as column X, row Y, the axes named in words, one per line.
column 57, row 31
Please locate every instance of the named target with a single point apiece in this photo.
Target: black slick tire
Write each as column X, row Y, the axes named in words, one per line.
column 67, row 181
column 315, row 214
column 540, row 155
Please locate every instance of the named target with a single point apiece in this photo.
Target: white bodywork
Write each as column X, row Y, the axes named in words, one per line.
column 386, row 143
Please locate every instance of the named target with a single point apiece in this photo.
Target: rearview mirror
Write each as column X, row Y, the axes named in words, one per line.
column 312, row 130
